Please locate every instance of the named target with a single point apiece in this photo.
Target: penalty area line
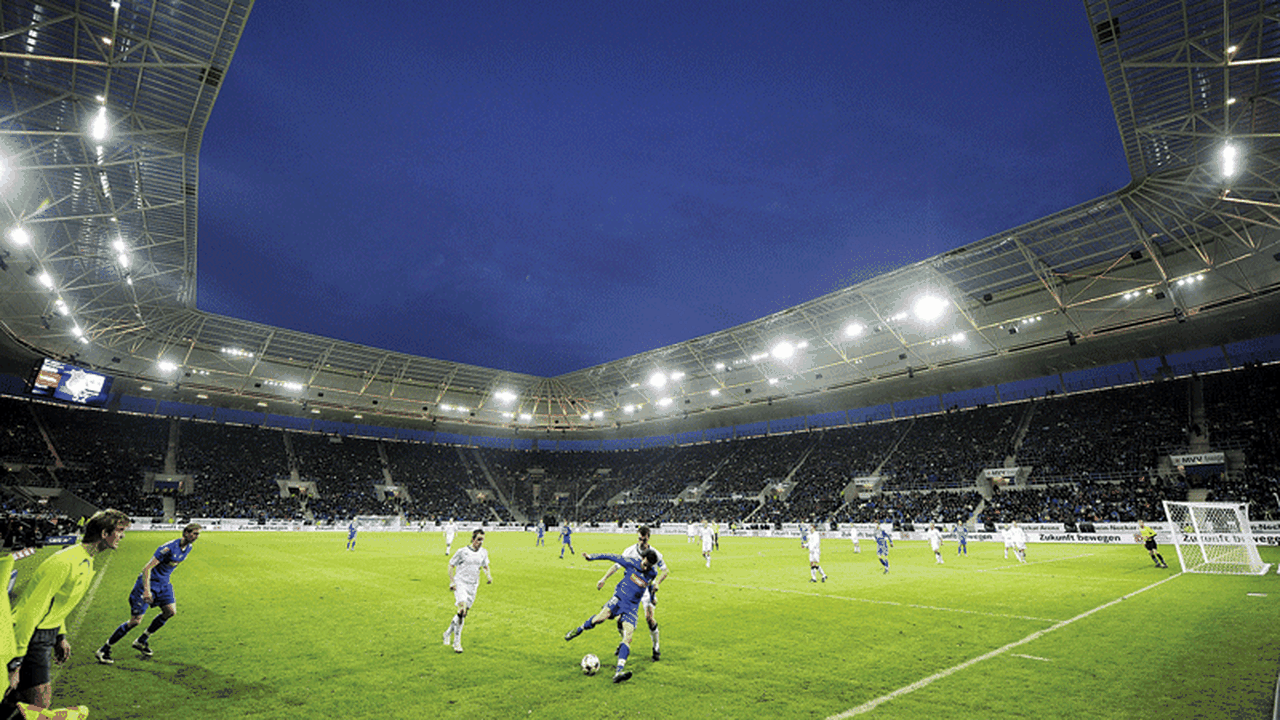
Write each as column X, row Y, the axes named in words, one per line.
column 925, row 682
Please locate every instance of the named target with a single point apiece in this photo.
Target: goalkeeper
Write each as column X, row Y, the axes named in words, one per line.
column 1148, row 537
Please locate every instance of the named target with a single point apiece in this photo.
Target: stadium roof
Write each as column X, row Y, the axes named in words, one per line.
column 102, row 109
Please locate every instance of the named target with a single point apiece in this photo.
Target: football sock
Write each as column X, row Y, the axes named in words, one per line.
column 589, row 623
column 885, row 563
column 813, row 574
column 119, row 633
column 653, row 633
column 155, row 625
column 623, row 651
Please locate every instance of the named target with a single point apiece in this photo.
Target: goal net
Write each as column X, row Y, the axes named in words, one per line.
column 1214, row 537
column 378, row 522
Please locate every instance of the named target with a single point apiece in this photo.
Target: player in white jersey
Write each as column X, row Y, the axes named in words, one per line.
column 853, row 536
column 814, row 543
column 464, row 580
column 1018, row 537
column 935, row 542
column 650, row 599
column 691, row 531
column 1006, row 535
column 708, row 541
column 450, row 531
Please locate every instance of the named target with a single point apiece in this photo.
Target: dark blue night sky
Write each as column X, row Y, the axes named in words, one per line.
column 543, row 187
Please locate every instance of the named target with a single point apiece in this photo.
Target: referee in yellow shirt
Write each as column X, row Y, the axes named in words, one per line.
column 1148, row 537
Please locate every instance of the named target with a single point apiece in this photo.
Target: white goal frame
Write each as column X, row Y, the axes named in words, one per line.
column 1214, row 537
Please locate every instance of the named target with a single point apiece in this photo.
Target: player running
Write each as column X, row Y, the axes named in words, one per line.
column 566, row 539
column 626, row 598
column 464, row 580
column 450, row 531
column 934, row 536
column 883, row 543
column 648, row 600
column 153, row 589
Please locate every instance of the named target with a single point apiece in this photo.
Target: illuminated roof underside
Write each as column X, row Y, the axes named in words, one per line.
column 102, row 111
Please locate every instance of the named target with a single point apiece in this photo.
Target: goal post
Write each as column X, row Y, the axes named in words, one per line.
column 1214, row 537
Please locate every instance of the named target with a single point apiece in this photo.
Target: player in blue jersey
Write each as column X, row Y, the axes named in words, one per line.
column 962, row 539
column 624, row 603
column 883, row 543
column 542, row 534
column 566, row 539
column 649, row 600
column 351, row 535
column 153, row 589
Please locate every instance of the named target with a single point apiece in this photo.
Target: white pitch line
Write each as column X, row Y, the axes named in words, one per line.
column 919, row 684
column 1033, row 657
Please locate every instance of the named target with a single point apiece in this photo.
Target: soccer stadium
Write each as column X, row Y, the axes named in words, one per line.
column 834, row 486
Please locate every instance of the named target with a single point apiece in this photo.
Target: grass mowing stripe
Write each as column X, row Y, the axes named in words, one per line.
column 874, row 602
column 873, row 704
column 1037, row 562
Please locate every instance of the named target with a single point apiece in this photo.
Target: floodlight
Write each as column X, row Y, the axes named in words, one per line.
column 61, row 306
column 783, row 350
column 853, row 330
column 677, row 376
column 166, row 366
column 19, row 236
column 504, row 396
column 45, row 280
column 1229, row 154
column 598, row 414
column 75, row 330
column 719, row 366
column 628, row 409
column 123, row 260
column 958, row 337
column 929, row 307
column 664, row 402
column 715, row 392
column 99, row 128
column 526, row 417
column 657, row 379
column 586, row 416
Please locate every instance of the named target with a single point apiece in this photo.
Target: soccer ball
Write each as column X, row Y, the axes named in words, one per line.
column 590, row 664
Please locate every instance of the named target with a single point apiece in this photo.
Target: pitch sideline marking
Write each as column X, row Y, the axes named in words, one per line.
column 1033, row 657
column 873, row 704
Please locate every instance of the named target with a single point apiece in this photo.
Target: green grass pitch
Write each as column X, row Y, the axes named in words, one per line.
column 291, row 625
